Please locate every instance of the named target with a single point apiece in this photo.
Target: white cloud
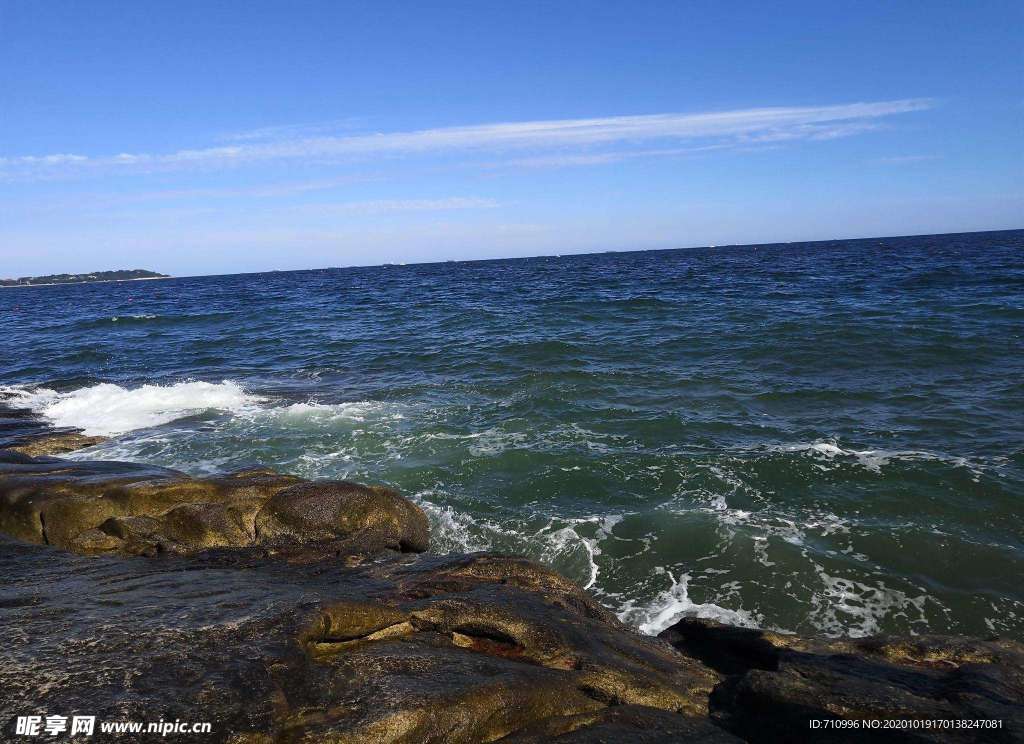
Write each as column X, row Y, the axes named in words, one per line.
column 602, row 158
column 59, row 158
column 906, row 159
column 290, row 131
column 738, row 127
column 381, row 206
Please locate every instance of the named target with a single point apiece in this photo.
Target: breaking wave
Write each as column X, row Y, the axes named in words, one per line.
column 570, row 545
column 673, row 604
column 110, row 410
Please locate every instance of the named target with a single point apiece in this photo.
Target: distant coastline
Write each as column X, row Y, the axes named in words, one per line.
column 124, row 275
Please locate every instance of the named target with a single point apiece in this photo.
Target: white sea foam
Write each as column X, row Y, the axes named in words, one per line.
column 320, row 414
column 110, row 410
column 450, row 530
column 556, row 542
column 874, row 459
column 497, row 440
column 674, row 603
column 494, row 441
column 846, row 606
column 571, row 545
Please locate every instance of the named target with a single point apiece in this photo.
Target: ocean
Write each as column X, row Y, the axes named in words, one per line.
column 815, row 437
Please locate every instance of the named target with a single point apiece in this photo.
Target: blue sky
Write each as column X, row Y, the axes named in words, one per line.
column 196, row 137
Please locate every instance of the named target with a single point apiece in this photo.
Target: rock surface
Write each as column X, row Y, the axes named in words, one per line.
column 365, row 519
column 776, row 683
column 400, row 649
column 146, row 511
column 287, row 611
column 55, row 444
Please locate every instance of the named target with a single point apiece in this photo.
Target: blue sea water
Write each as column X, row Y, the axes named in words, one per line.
column 816, row 437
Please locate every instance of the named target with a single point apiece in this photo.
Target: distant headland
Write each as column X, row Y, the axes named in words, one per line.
column 124, row 275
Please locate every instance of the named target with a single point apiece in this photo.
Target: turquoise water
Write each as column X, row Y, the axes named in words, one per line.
column 816, row 437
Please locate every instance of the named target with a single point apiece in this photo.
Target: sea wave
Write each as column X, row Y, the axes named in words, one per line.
column 571, row 545
column 110, row 410
column 872, row 459
column 315, row 414
column 845, row 606
column 674, row 603
column 129, row 318
column 104, row 322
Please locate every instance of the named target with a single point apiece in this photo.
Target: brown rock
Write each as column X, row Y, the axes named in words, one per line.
column 118, row 507
column 475, row 648
column 402, row 649
column 362, row 519
column 778, row 683
column 56, row 444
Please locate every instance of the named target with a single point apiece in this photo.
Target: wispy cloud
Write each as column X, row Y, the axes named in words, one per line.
column 601, row 158
column 905, row 159
column 382, row 206
column 291, row 131
column 737, row 128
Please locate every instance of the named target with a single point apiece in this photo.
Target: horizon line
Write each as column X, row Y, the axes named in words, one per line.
column 514, row 258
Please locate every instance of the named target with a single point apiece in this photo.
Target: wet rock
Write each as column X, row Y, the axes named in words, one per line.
column 132, row 510
column 432, row 659
column 364, row 519
column 776, row 683
column 55, row 444
column 402, row 649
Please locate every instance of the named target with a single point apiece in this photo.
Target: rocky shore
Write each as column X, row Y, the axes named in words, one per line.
column 282, row 610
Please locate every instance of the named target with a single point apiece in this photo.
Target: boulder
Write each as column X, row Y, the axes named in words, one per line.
column 357, row 518
column 776, row 684
column 509, row 644
column 136, row 510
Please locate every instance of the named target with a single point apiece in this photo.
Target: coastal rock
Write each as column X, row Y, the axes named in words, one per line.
column 56, row 444
column 776, row 684
column 363, row 519
column 299, row 611
column 132, row 510
column 468, row 656
column 401, row 649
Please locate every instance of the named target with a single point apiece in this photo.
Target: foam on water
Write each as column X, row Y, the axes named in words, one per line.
column 314, row 414
column 560, row 542
column 111, row 410
column 361, row 439
column 451, row 531
column 497, row 440
column 845, row 606
column 143, row 316
column 674, row 603
column 875, row 459
column 556, row 541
